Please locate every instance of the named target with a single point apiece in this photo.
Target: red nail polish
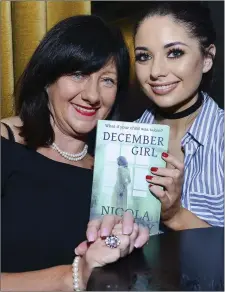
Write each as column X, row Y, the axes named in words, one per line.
column 164, row 154
column 149, row 177
column 154, row 169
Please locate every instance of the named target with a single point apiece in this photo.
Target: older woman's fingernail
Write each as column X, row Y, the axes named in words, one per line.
column 137, row 245
column 104, row 232
column 127, row 230
column 75, row 251
column 91, row 237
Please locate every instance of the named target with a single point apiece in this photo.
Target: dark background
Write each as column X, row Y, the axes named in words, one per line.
column 118, row 11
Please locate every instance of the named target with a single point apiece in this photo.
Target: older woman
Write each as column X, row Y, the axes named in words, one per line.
column 74, row 78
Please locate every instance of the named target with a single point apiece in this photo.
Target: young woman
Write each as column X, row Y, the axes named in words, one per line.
column 74, row 78
column 174, row 51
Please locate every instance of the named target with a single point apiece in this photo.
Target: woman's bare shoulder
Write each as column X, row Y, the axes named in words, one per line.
column 14, row 123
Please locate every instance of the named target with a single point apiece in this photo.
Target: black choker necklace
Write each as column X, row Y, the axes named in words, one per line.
column 183, row 113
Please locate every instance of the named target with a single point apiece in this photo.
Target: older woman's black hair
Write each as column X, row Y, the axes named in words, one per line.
column 79, row 43
column 195, row 16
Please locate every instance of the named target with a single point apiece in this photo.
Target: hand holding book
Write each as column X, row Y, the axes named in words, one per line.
column 171, row 179
column 105, row 226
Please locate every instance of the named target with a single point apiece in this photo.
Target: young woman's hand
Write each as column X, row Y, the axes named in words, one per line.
column 171, row 179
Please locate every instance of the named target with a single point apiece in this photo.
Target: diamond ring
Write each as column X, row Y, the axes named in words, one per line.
column 112, row 241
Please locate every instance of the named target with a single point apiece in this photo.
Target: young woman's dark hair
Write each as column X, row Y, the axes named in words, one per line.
column 79, row 43
column 195, row 16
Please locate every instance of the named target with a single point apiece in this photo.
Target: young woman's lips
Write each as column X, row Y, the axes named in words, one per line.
column 85, row 111
column 164, row 89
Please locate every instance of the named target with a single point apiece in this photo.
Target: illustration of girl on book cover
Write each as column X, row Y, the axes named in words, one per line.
column 119, row 197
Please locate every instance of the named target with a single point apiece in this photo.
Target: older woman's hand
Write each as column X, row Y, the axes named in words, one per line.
column 98, row 253
column 171, row 179
column 104, row 226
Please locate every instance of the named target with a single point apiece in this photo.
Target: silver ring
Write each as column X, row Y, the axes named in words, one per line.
column 112, row 241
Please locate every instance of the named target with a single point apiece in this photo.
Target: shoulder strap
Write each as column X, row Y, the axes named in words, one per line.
column 10, row 132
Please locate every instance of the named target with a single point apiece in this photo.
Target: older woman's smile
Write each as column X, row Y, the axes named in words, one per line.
column 85, row 111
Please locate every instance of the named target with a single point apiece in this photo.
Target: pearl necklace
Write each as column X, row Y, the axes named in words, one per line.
column 70, row 156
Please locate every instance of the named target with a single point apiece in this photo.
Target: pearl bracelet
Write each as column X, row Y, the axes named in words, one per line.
column 75, row 271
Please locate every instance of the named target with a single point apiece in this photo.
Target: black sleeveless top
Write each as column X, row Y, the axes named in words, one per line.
column 44, row 209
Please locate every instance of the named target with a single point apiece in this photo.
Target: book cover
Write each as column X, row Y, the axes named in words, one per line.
column 124, row 154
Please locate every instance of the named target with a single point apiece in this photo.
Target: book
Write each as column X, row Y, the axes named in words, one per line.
column 124, row 154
